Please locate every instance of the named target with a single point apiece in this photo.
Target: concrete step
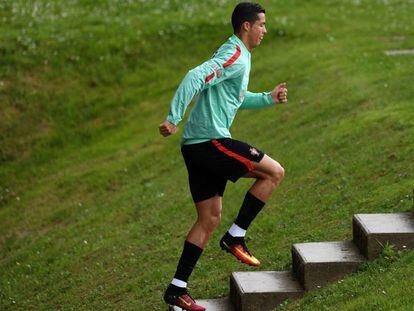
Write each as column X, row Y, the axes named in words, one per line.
column 317, row 264
column 372, row 231
column 262, row 290
column 220, row 304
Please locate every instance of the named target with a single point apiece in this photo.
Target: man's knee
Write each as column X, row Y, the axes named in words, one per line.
column 211, row 222
column 277, row 174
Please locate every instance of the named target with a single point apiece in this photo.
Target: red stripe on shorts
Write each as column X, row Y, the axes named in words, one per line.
column 236, row 156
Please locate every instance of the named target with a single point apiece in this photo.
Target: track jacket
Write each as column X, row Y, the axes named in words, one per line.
column 221, row 83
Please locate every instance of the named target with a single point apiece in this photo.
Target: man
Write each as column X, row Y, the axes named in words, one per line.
column 211, row 156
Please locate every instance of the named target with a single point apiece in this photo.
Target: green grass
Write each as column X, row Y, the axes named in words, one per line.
column 94, row 204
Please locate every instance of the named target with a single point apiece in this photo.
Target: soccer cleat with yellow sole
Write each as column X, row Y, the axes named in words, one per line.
column 237, row 247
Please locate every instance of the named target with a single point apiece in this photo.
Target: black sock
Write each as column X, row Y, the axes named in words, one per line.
column 250, row 208
column 173, row 290
column 189, row 257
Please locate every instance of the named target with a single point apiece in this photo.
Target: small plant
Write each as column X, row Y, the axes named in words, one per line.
column 389, row 252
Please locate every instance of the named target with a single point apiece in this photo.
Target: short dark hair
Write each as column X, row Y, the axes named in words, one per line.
column 245, row 12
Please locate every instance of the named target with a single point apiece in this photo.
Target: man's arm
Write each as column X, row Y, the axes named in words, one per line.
column 222, row 66
column 265, row 99
column 257, row 100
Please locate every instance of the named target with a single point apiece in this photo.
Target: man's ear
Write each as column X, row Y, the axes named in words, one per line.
column 246, row 26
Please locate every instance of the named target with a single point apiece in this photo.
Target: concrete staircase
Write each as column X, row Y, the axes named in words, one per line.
column 316, row 264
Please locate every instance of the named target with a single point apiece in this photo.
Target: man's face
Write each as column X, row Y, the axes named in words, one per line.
column 257, row 31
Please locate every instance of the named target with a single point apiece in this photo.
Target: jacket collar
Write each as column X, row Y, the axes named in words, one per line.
column 239, row 42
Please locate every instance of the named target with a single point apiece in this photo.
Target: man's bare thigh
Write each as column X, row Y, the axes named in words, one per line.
column 266, row 167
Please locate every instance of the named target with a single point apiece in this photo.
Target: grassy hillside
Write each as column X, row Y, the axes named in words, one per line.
column 94, row 203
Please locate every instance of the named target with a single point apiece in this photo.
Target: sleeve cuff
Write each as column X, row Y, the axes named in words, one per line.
column 269, row 99
column 172, row 120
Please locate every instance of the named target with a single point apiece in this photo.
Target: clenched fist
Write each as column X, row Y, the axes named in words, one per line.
column 279, row 94
column 167, row 128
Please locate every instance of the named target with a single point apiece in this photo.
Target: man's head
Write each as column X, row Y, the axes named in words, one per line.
column 249, row 22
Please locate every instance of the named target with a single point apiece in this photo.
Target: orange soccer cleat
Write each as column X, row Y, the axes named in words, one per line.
column 237, row 247
column 183, row 301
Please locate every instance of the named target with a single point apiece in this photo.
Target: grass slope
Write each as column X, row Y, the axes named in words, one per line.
column 94, row 204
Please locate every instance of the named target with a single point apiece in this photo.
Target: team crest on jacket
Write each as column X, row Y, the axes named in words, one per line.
column 241, row 97
column 216, row 70
column 254, row 152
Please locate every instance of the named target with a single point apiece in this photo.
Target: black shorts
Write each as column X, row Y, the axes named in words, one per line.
column 210, row 164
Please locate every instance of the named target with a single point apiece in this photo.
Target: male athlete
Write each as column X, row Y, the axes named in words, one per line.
column 212, row 157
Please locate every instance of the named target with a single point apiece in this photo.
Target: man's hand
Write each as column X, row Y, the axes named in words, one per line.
column 279, row 94
column 167, row 128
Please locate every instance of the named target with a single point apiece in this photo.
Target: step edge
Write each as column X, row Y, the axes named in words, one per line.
column 233, row 280
column 296, row 250
column 299, row 287
column 358, row 221
column 354, row 248
column 409, row 214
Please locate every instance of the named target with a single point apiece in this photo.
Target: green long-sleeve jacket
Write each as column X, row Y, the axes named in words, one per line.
column 221, row 83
